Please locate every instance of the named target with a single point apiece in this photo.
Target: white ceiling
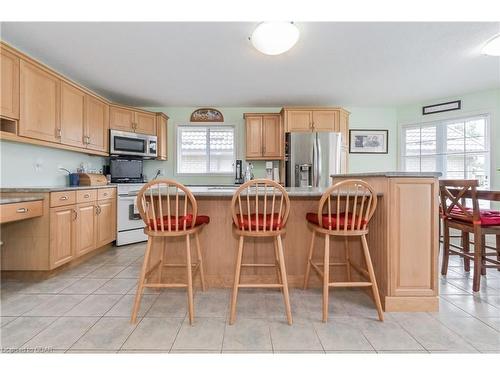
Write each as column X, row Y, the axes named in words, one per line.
column 198, row 64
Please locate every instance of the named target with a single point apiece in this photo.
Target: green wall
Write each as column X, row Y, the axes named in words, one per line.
column 472, row 104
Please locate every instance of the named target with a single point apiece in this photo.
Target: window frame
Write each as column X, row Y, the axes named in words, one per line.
column 208, row 126
column 440, row 125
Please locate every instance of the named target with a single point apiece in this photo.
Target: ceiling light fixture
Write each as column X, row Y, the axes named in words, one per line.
column 274, row 38
column 492, row 46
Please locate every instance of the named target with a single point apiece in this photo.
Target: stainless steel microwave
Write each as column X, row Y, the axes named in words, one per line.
column 132, row 144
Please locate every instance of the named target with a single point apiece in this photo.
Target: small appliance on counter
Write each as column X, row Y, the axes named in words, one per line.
column 238, row 180
column 126, row 170
column 269, row 170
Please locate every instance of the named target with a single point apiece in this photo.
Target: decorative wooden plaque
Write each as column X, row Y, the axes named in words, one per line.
column 207, row 115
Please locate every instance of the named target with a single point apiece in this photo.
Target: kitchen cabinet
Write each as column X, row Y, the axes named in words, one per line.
column 85, row 228
column 319, row 119
column 61, row 234
column 162, row 135
column 263, row 136
column 106, row 222
column 72, row 115
column 9, row 89
column 39, row 103
column 96, row 129
column 130, row 120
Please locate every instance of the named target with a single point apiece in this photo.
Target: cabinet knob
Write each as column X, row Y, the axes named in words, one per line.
column 22, row 210
column 63, row 198
column 86, row 196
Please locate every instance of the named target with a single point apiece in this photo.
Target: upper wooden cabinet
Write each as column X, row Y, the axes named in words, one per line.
column 9, row 84
column 130, row 120
column 72, row 115
column 263, row 136
column 39, row 103
column 96, row 129
column 162, row 135
column 304, row 119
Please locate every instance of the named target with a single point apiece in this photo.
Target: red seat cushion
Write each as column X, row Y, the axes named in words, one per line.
column 244, row 223
column 488, row 217
column 312, row 217
column 188, row 219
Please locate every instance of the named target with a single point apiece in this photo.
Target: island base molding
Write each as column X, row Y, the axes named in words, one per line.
column 411, row 304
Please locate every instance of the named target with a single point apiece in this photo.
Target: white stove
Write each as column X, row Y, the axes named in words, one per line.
column 130, row 227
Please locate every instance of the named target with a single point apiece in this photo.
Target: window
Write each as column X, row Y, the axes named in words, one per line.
column 458, row 148
column 205, row 149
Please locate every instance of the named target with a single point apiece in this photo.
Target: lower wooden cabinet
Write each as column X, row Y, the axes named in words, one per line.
column 62, row 228
column 105, row 222
column 85, row 228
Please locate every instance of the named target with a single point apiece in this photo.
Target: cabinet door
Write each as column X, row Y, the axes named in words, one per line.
column 106, row 222
column 145, row 123
column 72, row 115
column 299, row 121
column 344, row 127
column 96, row 124
column 85, row 228
column 272, row 137
column 161, row 133
column 61, row 235
column 121, row 119
column 9, row 86
column 39, row 103
column 253, row 137
column 325, row 121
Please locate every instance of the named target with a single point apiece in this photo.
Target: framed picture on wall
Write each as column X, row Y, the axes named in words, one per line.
column 368, row 141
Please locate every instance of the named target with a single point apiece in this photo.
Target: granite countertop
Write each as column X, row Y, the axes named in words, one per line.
column 48, row 189
column 31, row 198
column 391, row 174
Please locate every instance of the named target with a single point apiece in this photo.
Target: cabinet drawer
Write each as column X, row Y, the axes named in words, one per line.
column 62, row 198
column 106, row 193
column 20, row 211
column 83, row 196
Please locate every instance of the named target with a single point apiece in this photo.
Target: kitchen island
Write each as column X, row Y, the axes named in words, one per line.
column 403, row 240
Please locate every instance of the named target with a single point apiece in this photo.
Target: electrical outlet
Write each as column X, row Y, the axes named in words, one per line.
column 38, row 165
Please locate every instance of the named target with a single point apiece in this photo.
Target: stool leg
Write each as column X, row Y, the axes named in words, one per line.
column 162, row 255
column 140, row 285
column 478, row 250
column 498, row 249
column 326, row 277
column 446, row 248
column 286, row 295
column 189, row 280
column 483, row 255
column 200, row 262
column 237, row 272
column 373, row 280
column 348, row 262
column 466, row 248
column 309, row 259
column 277, row 261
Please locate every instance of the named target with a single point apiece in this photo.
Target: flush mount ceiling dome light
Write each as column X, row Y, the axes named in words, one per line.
column 274, row 38
column 492, row 46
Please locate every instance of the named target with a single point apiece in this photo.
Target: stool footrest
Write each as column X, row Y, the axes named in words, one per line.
column 350, row 284
column 160, row 285
column 260, row 286
column 258, row 265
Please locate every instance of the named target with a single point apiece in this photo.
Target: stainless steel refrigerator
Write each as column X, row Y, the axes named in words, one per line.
column 310, row 158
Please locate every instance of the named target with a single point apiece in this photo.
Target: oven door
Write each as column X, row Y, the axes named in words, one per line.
column 128, row 215
column 126, row 143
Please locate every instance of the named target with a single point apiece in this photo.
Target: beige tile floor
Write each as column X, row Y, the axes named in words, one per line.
column 87, row 309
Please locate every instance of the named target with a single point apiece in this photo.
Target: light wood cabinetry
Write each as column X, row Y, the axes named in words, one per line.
column 264, row 136
column 162, row 135
column 72, row 115
column 96, row 129
column 39, row 103
column 298, row 121
column 9, row 86
column 326, row 121
column 68, row 224
column 20, row 211
column 318, row 119
column 61, row 235
column 130, row 120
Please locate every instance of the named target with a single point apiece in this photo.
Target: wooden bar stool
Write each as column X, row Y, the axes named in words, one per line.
column 344, row 211
column 454, row 196
column 260, row 208
column 169, row 209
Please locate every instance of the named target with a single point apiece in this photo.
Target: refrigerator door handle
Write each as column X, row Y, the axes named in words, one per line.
column 318, row 161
